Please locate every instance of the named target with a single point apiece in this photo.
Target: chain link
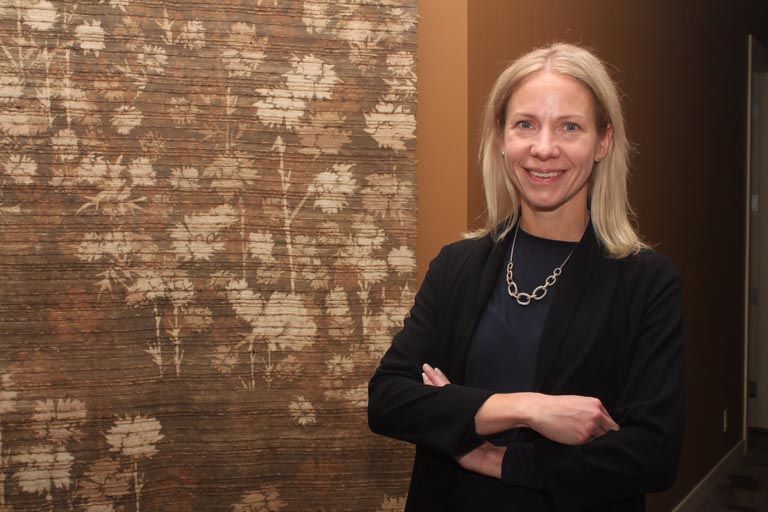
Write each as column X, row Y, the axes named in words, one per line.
column 539, row 292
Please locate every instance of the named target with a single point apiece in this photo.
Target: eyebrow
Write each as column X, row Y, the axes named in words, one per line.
column 558, row 118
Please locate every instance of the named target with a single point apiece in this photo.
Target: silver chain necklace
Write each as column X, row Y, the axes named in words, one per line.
column 539, row 292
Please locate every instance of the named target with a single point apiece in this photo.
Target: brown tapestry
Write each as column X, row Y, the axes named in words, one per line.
column 207, row 231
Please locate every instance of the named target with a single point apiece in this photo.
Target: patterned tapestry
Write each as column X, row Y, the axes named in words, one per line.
column 207, row 233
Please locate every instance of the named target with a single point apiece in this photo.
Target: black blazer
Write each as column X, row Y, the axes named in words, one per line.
column 614, row 332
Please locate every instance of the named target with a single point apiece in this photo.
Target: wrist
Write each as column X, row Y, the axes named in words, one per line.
column 525, row 408
column 504, row 411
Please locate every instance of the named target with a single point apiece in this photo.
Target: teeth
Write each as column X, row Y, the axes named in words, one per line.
column 546, row 174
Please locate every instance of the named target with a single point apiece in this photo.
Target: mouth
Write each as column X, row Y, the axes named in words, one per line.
column 544, row 175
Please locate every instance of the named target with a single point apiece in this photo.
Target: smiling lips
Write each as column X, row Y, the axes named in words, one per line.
column 545, row 174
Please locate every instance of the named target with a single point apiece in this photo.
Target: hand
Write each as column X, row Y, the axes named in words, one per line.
column 485, row 460
column 433, row 376
column 569, row 419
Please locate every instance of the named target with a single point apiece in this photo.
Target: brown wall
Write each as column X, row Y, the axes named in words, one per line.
column 683, row 68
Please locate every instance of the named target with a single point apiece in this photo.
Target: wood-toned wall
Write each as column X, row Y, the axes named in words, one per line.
column 683, row 69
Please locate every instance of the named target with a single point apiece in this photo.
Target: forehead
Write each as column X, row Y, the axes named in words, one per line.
column 551, row 92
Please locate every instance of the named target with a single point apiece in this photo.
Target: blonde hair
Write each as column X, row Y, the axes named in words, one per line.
column 610, row 208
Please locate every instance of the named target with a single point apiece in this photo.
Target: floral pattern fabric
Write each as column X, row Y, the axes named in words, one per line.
column 207, row 232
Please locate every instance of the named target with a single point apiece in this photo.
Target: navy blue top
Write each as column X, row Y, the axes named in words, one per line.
column 502, row 354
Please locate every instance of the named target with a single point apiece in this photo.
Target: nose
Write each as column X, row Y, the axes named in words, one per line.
column 545, row 146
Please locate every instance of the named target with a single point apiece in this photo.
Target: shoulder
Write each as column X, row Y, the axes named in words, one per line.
column 464, row 249
column 649, row 263
column 652, row 275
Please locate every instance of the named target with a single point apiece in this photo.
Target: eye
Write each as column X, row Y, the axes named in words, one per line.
column 571, row 127
column 524, row 125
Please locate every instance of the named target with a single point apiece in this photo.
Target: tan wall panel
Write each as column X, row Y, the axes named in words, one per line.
column 441, row 118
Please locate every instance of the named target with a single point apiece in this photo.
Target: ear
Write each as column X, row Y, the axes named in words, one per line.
column 605, row 141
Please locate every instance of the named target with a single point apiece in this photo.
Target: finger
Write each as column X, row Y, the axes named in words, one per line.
column 428, row 375
column 442, row 380
column 435, row 375
column 608, row 424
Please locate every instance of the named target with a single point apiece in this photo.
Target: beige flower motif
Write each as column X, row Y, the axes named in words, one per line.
column 185, row 178
column 141, row 172
column 279, row 107
column 336, row 303
column 152, row 145
column 117, row 4
column 104, row 481
column 388, row 197
column 196, row 239
column 265, row 499
column 261, row 246
column 135, row 436
column 314, row 16
column 93, row 169
column 78, row 106
column 286, row 323
column 356, row 396
column 310, row 78
column 338, row 369
column 197, row 318
column 181, row 291
column 18, row 123
column 364, row 240
column 390, row 125
column 401, row 89
column 21, row 169
column 114, row 245
column 225, row 358
column 147, row 286
column 192, row 35
column 40, row 16
column 248, row 305
column 231, row 173
column 309, row 263
column 399, row 23
column 244, row 50
column 11, row 88
column 65, row 144
column 43, row 468
column 152, row 59
column 58, row 421
column 99, row 507
column 401, row 64
column 323, row 134
column 183, row 112
column 90, row 37
column 402, row 260
column 331, row 188
column 289, row 369
column 392, row 504
column 126, row 118
column 355, row 31
column 366, row 234
column 302, row 411
column 7, row 394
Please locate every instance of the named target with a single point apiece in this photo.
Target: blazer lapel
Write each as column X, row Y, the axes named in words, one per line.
column 486, row 263
column 570, row 287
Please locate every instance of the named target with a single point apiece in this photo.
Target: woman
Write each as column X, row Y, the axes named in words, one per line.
column 541, row 365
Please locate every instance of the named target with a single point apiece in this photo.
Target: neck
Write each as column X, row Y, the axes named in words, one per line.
column 554, row 225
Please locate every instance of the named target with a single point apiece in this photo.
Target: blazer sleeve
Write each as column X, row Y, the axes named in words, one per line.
column 400, row 405
column 643, row 455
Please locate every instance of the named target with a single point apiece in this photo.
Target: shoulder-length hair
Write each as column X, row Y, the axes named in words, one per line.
column 611, row 212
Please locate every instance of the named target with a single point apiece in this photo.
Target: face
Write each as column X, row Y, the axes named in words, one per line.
column 550, row 142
